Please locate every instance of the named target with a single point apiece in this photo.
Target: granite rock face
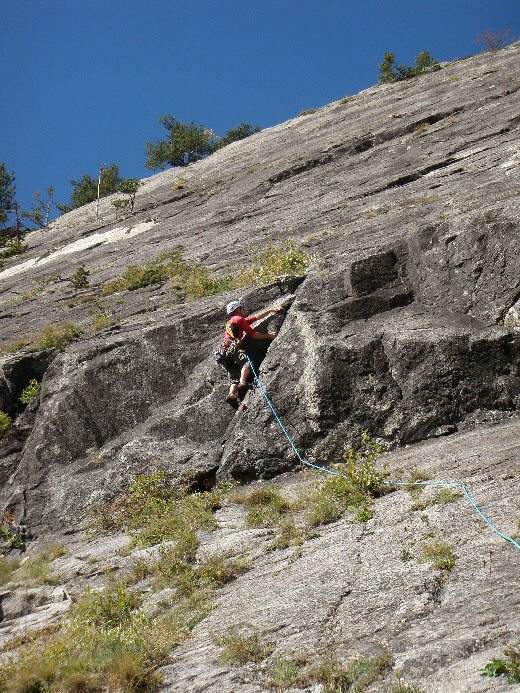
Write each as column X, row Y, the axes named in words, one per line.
column 407, row 197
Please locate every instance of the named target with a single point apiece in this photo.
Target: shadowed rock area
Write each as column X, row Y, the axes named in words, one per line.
column 407, row 198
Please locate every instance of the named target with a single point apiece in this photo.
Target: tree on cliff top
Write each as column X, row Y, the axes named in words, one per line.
column 390, row 72
column 187, row 142
column 85, row 190
column 7, row 194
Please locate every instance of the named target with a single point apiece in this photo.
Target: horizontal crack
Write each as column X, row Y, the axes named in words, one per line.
column 359, row 146
column 412, row 177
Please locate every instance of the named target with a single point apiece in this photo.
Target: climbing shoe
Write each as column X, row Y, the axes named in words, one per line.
column 233, row 401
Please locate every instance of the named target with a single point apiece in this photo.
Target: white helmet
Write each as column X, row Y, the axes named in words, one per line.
column 233, row 305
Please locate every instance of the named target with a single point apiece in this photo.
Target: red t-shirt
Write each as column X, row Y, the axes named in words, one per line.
column 238, row 326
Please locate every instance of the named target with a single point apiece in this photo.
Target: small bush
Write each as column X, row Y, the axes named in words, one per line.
column 361, row 466
column 55, row 337
column 492, row 41
column 30, row 391
column 239, row 648
column 5, row 422
column 440, row 554
column 509, row 667
column 364, row 515
column 14, row 540
column 13, row 248
column 107, row 609
column 80, row 278
column 100, row 321
column 285, row 672
column 267, row 506
column 275, row 261
column 155, row 511
column 361, row 479
column 406, row 555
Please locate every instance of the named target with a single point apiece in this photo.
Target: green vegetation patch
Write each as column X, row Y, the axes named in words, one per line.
column 80, row 278
column 5, row 422
column 441, row 497
column 276, row 260
column 36, row 570
column 355, row 675
column 101, row 321
column 266, row 506
column 361, row 479
column 390, row 72
column 188, row 281
column 55, row 337
column 192, row 281
column 51, row 337
column 11, row 249
column 30, row 391
column 173, row 570
column 508, row 667
column 294, row 671
column 239, row 648
column 285, row 672
column 107, row 644
column 155, row 512
column 440, row 554
column 7, row 568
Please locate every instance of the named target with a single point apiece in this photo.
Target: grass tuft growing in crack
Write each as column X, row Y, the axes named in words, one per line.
column 353, row 676
column 239, row 648
column 361, row 480
column 266, row 506
column 155, row 511
column 440, row 554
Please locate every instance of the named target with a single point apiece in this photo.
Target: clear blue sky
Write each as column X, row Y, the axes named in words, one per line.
column 85, row 81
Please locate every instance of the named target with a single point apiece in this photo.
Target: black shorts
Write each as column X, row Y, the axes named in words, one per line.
column 239, row 359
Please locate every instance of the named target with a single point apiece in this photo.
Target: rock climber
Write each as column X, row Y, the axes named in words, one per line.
column 235, row 345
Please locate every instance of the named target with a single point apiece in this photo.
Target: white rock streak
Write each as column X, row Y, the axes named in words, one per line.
column 112, row 236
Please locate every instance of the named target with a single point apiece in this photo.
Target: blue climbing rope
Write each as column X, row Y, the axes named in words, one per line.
column 328, row 470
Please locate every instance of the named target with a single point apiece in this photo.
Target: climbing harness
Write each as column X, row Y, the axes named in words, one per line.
column 453, row 484
column 225, row 355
